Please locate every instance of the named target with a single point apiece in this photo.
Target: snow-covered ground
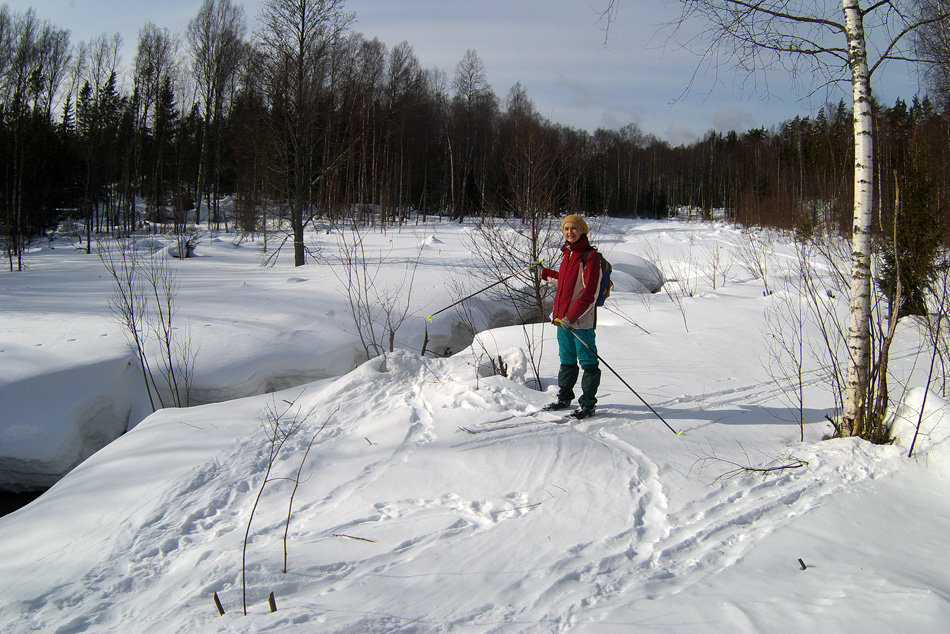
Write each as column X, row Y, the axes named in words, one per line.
column 398, row 520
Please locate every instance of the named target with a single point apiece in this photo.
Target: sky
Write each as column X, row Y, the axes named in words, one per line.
column 575, row 73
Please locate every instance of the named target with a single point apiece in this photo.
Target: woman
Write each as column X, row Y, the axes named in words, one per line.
column 575, row 314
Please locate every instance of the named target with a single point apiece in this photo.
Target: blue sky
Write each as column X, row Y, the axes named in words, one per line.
column 555, row 48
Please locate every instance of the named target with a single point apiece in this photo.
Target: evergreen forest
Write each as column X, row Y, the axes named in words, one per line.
column 340, row 127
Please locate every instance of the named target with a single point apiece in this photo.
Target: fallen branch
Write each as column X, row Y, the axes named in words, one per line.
column 529, row 506
column 359, row 539
column 794, row 463
column 790, row 462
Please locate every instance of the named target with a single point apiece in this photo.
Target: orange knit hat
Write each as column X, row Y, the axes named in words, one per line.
column 577, row 221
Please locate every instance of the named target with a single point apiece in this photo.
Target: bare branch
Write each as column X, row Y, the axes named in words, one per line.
column 759, row 8
column 908, row 30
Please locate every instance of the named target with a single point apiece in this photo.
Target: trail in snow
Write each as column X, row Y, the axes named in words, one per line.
column 353, row 538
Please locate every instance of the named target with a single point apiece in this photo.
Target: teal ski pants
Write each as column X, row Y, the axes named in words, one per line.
column 571, row 352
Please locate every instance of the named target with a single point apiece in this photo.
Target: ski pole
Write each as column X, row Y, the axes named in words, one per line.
column 504, row 279
column 599, row 358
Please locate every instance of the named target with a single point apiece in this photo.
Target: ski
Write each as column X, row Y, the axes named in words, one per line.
column 516, row 421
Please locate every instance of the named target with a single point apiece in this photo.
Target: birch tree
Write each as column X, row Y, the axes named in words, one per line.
column 828, row 39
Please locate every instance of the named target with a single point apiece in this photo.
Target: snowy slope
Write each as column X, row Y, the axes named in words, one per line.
column 403, row 522
column 69, row 384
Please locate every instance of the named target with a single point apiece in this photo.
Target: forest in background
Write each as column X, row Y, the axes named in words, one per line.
column 308, row 119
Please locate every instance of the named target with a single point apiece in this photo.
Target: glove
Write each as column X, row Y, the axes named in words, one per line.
column 566, row 323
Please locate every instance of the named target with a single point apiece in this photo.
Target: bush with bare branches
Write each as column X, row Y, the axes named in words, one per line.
column 144, row 295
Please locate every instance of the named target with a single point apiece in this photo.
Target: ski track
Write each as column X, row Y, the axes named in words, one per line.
column 665, row 551
column 755, row 393
column 752, row 394
column 662, row 551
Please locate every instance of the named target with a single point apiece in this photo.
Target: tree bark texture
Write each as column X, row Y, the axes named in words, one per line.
column 859, row 338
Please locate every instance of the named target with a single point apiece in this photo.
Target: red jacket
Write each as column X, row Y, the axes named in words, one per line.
column 577, row 284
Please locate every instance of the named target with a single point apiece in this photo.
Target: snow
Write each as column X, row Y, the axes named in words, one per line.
column 400, row 521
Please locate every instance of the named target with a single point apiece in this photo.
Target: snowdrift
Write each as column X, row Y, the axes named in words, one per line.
column 395, row 519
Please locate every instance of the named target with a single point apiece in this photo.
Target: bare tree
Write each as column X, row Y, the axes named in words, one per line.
column 830, row 40
column 176, row 354
column 154, row 70
column 297, row 38
column 785, row 347
column 55, row 59
column 128, row 303
column 717, row 261
column 471, row 79
column 249, row 146
column 144, row 302
column 802, row 330
column 155, row 59
column 933, row 42
column 936, row 327
column 754, row 254
column 97, row 119
column 98, row 60
column 34, row 56
column 529, row 232
column 509, row 246
column 281, row 423
column 215, row 40
column 379, row 309
column 470, row 133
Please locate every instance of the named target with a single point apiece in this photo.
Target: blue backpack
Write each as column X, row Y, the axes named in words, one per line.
column 605, row 284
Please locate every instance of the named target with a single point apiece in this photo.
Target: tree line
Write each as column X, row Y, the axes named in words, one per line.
column 306, row 118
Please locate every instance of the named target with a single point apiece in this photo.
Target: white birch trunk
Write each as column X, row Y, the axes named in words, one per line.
column 859, row 345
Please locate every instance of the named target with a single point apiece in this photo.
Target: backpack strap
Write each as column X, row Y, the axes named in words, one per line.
column 584, row 265
column 586, row 253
